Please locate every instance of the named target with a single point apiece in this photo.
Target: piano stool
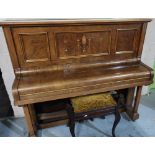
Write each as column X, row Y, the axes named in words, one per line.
column 91, row 106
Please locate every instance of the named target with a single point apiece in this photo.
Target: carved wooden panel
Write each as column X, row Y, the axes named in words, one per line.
column 35, row 47
column 126, row 40
column 49, row 46
column 75, row 44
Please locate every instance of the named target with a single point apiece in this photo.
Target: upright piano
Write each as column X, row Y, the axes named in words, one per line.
column 60, row 59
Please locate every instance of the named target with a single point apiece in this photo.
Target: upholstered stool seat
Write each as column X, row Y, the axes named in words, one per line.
column 91, row 106
column 92, row 102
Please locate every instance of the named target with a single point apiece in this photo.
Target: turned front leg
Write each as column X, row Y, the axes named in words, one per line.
column 29, row 120
column 135, row 114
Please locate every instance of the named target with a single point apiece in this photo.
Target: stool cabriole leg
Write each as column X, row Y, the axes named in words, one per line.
column 71, row 118
column 117, row 120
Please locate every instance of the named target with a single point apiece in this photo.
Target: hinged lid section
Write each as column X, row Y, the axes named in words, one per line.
column 78, row 21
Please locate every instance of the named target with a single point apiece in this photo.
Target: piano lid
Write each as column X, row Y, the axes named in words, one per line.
column 76, row 21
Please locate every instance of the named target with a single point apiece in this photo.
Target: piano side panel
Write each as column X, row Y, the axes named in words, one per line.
column 11, row 47
column 142, row 38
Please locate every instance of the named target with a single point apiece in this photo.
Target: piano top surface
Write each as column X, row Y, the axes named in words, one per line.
column 37, row 21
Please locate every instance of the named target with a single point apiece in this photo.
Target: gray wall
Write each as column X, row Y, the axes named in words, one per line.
column 148, row 58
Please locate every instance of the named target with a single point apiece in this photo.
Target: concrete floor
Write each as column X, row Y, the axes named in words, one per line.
column 143, row 127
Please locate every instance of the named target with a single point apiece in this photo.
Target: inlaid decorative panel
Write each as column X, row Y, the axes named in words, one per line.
column 74, row 44
column 35, row 47
column 126, row 40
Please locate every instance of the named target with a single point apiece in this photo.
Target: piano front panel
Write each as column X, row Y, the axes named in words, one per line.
column 81, row 44
column 45, row 46
column 34, row 46
column 127, row 41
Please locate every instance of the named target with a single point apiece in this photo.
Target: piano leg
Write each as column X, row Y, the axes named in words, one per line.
column 29, row 116
column 132, row 104
column 129, row 101
column 135, row 114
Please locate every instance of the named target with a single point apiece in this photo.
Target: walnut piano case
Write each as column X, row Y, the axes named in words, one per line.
column 55, row 59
